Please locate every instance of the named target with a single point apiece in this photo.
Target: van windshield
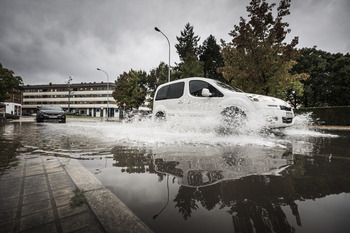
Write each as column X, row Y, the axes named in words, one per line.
column 228, row 87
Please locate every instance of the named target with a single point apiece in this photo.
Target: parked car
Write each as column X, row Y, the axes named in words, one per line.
column 50, row 113
column 137, row 115
column 208, row 97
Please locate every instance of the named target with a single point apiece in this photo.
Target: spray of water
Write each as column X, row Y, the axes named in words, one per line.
column 303, row 128
column 190, row 131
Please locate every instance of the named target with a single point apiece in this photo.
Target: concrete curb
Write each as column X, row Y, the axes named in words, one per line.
column 112, row 213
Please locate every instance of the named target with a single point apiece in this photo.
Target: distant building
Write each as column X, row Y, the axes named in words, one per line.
column 91, row 99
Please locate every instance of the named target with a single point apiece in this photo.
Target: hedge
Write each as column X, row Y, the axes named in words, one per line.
column 328, row 115
column 10, row 116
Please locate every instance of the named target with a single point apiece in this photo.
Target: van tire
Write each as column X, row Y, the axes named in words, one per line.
column 233, row 118
column 160, row 116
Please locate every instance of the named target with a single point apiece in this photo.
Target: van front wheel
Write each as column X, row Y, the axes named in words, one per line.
column 233, row 117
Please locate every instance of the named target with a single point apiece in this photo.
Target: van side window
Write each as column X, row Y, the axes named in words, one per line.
column 162, row 92
column 176, row 90
column 196, row 87
column 172, row 91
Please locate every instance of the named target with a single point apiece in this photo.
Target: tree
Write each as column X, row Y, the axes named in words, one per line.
column 188, row 43
column 257, row 59
column 329, row 82
column 156, row 77
column 9, row 84
column 212, row 58
column 339, row 93
column 130, row 88
column 191, row 67
column 188, row 51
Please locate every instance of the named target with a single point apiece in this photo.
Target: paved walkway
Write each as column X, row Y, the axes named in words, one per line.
column 35, row 197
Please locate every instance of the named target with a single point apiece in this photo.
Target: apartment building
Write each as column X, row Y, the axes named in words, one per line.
column 91, row 99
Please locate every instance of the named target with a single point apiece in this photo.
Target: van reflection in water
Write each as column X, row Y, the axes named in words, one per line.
column 202, row 167
column 238, row 179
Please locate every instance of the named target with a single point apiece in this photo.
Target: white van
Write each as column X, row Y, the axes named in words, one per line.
column 208, row 97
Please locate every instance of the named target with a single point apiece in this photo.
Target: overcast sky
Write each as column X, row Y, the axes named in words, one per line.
column 49, row 40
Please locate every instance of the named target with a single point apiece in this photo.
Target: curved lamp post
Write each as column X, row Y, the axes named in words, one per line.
column 107, row 90
column 169, row 50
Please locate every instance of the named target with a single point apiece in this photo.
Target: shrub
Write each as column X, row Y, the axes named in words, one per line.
column 328, row 115
column 10, row 116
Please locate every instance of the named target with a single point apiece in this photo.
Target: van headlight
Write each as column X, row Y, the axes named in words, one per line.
column 285, row 108
column 271, row 119
column 260, row 98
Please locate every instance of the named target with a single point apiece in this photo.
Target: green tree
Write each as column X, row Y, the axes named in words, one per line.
column 130, row 88
column 329, row 82
column 156, row 77
column 191, row 67
column 339, row 93
column 9, row 83
column 212, row 58
column 257, row 59
column 188, row 43
column 188, row 51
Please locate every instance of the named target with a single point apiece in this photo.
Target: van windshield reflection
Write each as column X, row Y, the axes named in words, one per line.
column 228, row 87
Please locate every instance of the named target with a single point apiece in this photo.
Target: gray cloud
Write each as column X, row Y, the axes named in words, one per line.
column 46, row 40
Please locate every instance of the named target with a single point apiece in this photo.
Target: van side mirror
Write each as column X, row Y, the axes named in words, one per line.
column 206, row 92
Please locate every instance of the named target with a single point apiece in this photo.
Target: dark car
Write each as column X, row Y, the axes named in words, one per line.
column 50, row 113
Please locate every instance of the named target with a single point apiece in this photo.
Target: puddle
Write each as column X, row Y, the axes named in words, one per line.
column 187, row 177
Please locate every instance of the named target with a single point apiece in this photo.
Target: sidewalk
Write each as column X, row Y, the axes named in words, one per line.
column 35, row 197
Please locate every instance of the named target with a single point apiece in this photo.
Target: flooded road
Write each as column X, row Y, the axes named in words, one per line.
column 186, row 177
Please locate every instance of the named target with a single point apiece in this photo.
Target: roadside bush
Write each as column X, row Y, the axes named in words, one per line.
column 328, row 115
column 13, row 117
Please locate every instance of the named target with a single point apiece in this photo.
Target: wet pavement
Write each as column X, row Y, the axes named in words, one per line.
column 173, row 179
column 35, row 197
column 37, row 193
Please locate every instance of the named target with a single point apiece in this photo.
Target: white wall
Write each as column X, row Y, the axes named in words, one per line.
column 13, row 108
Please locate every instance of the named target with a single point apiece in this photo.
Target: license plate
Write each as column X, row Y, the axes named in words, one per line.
column 52, row 116
column 289, row 114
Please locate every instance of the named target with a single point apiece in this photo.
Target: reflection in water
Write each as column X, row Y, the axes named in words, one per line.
column 9, row 154
column 219, row 177
column 260, row 187
column 9, row 146
column 248, row 182
column 132, row 160
column 167, row 202
column 198, row 167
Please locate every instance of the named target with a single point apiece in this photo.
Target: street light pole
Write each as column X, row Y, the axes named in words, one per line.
column 107, row 91
column 69, row 93
column 157, row 29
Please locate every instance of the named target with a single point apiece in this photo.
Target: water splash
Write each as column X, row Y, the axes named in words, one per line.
column 303, row 127
column 178, row 132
